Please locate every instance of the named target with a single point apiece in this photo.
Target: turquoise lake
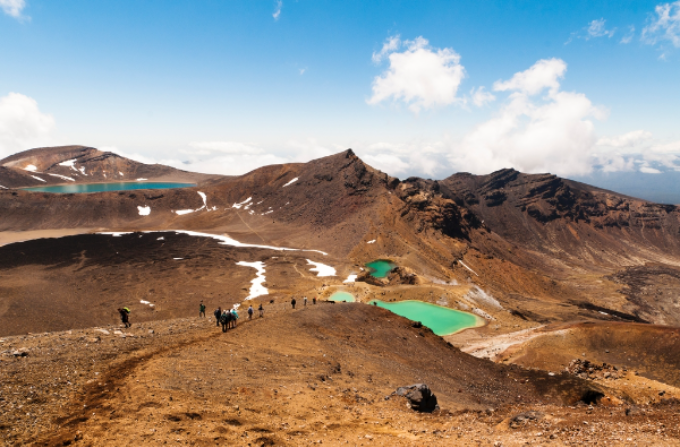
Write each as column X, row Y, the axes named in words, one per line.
column 380, row 268
column 342, row 296
column 79, row 188
column 442, row 320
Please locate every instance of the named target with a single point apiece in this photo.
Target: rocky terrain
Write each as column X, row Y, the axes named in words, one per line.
column 567, row 277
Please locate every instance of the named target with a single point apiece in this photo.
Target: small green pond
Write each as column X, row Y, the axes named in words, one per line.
column 342, row 296
column 442, row 320
column 77, row 188
column 380, row 268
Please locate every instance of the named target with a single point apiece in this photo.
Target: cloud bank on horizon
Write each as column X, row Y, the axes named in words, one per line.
column 530, row 121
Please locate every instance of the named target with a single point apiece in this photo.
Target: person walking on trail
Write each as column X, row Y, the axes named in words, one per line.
column 201, row 311
column 225, row 319
column 305, row 301
column 293, row 302
column 218, row 315
column 314, row 300
column 234, row 317
column 125, row 316
column 250, row 312
column 261, row 309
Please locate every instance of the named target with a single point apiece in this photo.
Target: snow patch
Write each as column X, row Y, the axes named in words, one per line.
column 116, row 234
column 321, row 269
column 121, row 173
column 226, row 240
column 464, row 265
column 351, row 278
column 142, row 179
column 144, row 210
column 62, row 177
column 177, row 259
column 160, row 238
column 290, row 182
column 147, row 303
column 239, row 205
column 205, row 200
column 82, row 170
column 371, row 242
column 31, row 168
column 182, row 212
column 3, row 187
column 37, row 178
column 205, row 205
column 257, row 287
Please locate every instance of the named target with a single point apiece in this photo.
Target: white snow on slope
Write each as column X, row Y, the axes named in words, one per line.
column 351, row 278
column 146, row 302
column 31, row 168
column 82, row 170
column 226, row 240
column 239, row 205
column 121, row 173
column 321, row 269
column 257, row 288
column 3, row 187
column 144, row 210
column 290, row 182
column 464, row 265
column 62, row 177
column 142, row 179
column 371, row 242
column 116, row 233
column 205, row 200
column 160, row 238
column 182, row 212
column 37, row 178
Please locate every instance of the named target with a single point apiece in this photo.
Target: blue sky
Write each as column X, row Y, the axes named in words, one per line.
column 415, row 88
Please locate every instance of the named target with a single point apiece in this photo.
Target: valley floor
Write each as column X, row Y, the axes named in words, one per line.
column 290, row 379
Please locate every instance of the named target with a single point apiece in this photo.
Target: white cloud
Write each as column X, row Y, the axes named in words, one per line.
column 22, row 124
column 545, row 73
column 481, row 97
column 552, row 133
column 597, row 28
column 302, row 70
column 227, row 147
column 420, row 76
column 628, row 38
column 664, row 26
column 649, row 170
column 628, row 140
column 390, row 45
column 13, row 8
column 277, row 11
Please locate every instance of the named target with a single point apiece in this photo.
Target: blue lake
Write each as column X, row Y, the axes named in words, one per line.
column 380, row 268
column 442, row 320
column 79, row 188
column 342, row 296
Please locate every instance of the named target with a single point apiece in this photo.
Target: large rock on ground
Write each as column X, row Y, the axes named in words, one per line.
column 420, row 397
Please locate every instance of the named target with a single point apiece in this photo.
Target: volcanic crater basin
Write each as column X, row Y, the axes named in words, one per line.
column 380, row 268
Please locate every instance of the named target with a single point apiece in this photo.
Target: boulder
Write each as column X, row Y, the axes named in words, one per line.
column 419, row 397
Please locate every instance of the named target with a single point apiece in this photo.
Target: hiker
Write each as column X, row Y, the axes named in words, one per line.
column 201, row 312
column 234, row 317
column 125, row 316
column 250, row 312
column 305, row 301
column 293, row 302
column 314, row 300
column 218, row 314
column 225, row 319
column 261, row 309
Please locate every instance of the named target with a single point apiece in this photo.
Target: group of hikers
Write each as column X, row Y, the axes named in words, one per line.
column 226, row 318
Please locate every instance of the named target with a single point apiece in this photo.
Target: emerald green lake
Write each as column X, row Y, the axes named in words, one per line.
column 380, row 268
column 442, row 320
column 78, row 188
column 342, row 296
